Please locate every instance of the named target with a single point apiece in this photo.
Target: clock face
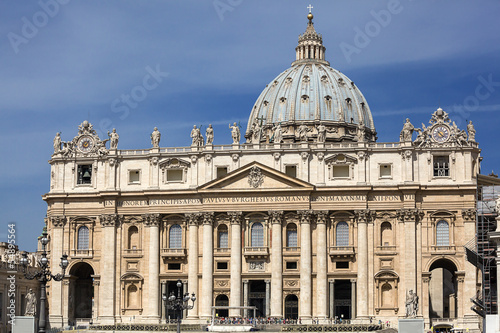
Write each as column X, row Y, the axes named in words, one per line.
column 441, row 133
column 85, row 144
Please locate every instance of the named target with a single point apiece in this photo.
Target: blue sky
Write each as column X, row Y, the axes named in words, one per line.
column 63, row 61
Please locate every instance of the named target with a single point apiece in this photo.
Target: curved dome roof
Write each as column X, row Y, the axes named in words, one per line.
column 312, row 93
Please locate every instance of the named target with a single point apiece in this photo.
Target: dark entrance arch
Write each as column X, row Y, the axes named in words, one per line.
column 258, row 296
column 81, row 291
column 443, row 289
column 222, row 300
column 291, row 307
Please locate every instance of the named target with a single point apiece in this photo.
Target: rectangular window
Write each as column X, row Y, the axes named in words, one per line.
column 222, row 265
column 174, row 175
column 84, row 174
column 134, row 177
column 174, row 266
column 441, row 166
column 221, row 172
column 342, row 264
column 385, row 171
column 291, row 265
column 291, row 170
column 340, row 171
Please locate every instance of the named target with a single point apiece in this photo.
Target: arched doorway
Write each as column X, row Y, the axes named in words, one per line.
column 222, row 300
column 443, row 289
column 291, row 307
column 81, row 291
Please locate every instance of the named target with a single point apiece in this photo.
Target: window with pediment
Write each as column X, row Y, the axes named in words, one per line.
column 342, row 234
column 340, row 166
column 442, row 233
column 291, row 235
column 83, row 238
column 132, row 287
column 174, row 170
column 223, row 236
column 175, row 237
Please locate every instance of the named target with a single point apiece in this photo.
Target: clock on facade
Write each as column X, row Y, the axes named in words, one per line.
column 85, row 144
column 441, row 133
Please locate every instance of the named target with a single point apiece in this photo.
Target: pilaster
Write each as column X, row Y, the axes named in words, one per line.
column 207, row 269
column 305, row 307
column 235, row 293
column 276, row 264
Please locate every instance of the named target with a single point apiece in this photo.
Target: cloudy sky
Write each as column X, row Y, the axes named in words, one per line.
column 63, row 61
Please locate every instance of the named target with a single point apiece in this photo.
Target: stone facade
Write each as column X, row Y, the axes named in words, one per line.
column 323, row 223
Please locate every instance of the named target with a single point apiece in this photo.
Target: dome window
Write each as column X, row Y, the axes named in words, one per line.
column 341, row 82
column 304, row 98
column 349, row 103
column 288, row 80
column 324, row 79
column 306, row 79
column 328, row 98
column 266, row 103
column 282, row 100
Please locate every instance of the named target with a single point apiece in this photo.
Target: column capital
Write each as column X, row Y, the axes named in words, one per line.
column 267, row 281
column 245, row 281
column 426, row 277
column 354, row 280
column 305, row 216
column 365, row 215
column 207, row 218
column 321, row 216
column 276, row 216
column 410, row 215
column 58, row 221
column 235, row 217
column 193, row 218
column 109, row 220
column 151, row 220
column 469, row 215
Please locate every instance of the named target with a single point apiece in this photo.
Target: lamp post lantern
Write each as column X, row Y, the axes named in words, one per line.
column 43, row 275
column 178, row 303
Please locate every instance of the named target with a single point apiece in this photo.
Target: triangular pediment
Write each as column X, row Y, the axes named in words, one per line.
column 255, row 177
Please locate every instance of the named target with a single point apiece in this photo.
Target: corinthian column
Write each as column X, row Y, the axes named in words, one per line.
column 409, row 217
column 208, row 268
column 108, row 267
column 305, row 266
column 321, row 264
column 276, row 265
column 362, row 283
column 235, row 294
column 193, row 261
column 56, row 315
column 152, row 221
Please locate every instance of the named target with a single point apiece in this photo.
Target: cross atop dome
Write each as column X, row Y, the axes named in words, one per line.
column 310, row 46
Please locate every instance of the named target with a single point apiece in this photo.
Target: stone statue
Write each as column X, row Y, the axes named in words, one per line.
column 209, row 133
column 155, row 138
column 302, row 132
column 235, row 133
column 197, row 138
column 406, row 132
column 361, row 132
column 471, row 131
column 113, row 139
column 256, row 132
column 497, row 206
column 321, row 133
column 277, row 133
column 30, row 304
column 411, row 304
column 57, row 143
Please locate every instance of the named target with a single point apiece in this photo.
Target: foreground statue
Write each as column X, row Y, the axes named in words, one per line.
column 155, row 138
column 30, row 304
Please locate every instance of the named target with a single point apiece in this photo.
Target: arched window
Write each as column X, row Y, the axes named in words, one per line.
column 175, row 237
column 83, row 238
column 291, row 235
column 223, row 237
column 442, row 234
column 133, row 238
column 257, row 235
column 342, row 234
column 386, row 234
column 387, row 300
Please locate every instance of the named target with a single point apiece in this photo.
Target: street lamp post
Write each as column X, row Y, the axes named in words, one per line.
column 43, row 275
column 178, row 303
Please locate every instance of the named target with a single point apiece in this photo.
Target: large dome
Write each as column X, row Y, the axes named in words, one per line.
column 311, row 93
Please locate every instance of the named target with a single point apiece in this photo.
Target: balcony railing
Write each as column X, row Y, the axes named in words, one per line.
column 443, row 249
column 342, row 251
column 132, row 252
column 82, row 253
column 173, row 253
column 256, row 251
column 289, row 249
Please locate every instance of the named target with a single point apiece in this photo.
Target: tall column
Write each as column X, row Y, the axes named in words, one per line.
column 362, row 285
column 193, row 261
column 208, row 267
column 424, row 308
column 409, row 217
column 57, row 237
column 332, row 298
column 276, row 265
column 163, row 309
column 268, row 297
column 305, row 266
column 235, row 293
column 152, row 221
column 95, row 303
column 153, row 168
column 108, row 265
column 353, row 298
column 245, row 297
column 321, row 268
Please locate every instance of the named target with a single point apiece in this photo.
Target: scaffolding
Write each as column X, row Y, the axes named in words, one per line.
column 481, row 251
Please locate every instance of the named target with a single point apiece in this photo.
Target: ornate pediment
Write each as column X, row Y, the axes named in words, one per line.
column 86, row 144
column 255, row 176
column 340, row 159
column 174, row 163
